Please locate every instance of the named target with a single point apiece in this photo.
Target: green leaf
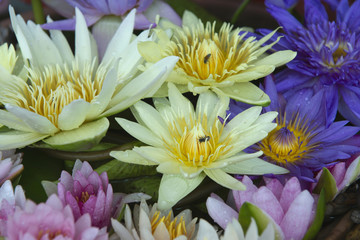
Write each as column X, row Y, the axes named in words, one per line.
column 328, row 183
column 82, row 138
column 120, row 170
column 248, row 211
column 319, row 217
column 148, row 184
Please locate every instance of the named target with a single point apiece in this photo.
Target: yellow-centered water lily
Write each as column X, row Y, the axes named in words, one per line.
column 189, row 144
column 66, row 98
column 224, row 62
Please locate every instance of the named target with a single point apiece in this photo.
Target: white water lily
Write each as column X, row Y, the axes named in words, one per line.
column 224, row 62
column 151, row 223
column 190, row 144
column 67, row 96
column 234, row 231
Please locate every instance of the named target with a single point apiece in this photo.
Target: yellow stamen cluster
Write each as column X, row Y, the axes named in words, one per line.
column 195, row 144
column 288, row 142
column 48, row 92
column 176, row 227
column 204, row 53
column 50, row 235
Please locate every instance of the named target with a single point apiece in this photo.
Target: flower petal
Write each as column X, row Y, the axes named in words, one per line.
column 73, row 114
column 224, row 179
column 129, row 156
column 254, row 166
column 174, row 187
column 19, row 139
column 220, row 212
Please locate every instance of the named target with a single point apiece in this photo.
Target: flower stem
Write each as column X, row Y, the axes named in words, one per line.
column 38, row 11
column 239, row 11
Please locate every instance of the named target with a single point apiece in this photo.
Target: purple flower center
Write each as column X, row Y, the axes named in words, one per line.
column 288, row 143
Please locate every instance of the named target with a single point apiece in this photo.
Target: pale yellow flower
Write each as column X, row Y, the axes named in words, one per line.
column 147, row 223
column 67, row 96
column 224, row 62
column 190, row 144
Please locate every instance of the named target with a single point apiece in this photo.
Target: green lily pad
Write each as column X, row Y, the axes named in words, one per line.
column 328, row 183
column 82, row 138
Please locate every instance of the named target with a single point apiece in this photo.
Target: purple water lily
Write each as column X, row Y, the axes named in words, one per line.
column 305, row 140
column 94, row 10
column 51, row 220
column 328, row 54
column 290, row 210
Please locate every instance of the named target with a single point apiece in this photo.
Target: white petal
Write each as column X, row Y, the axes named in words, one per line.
column 38, row 123
column 140, row 132
column 189, row 19
column 278, row 58
column 130, row 156
column 63, row 46
column 101, row 101
column 83, row 48
column 153, row 154
column 73, row 114
column 254, row 166
column 121, row 38
column 18, row 139
column 241, row 156
column 180, row 104
column 212, row 106
column 224, row 179
column 34, row 43
column 11, row 121
column 146, row 83
column 151, row 118
column 121, row 231
column 174, row 187
column 206, row 231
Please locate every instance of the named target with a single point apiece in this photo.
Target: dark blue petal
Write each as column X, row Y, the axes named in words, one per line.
column 284, row 18
column 314, row 12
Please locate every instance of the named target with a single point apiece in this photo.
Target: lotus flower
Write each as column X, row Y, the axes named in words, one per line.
column 290, row 209
column 151, row 223
column 51, row 220
column 10, row 165
column 66, row 98
column 8, row 201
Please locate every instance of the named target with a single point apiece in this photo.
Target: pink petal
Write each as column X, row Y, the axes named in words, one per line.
column 275, row 186
column 291, row 190
column 267, row 201
column 338, row 172
column 297, row 219
column 352, row 173
column 244, row 196
column 221, row 213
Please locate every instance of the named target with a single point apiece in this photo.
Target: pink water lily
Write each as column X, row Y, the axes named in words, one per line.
column 9, row 199
column 10, row 165
column 290, row 209
column 51, row 220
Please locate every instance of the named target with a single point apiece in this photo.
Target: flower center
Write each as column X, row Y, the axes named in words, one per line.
column 287, row 143
column 199, row 146
column 50, row 235
column 206, row 54
column 175, row 227
column 49, row 91
column 84, row 197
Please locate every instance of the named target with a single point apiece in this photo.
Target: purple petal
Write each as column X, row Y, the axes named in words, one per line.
column 221, row 213
column 297, row 219
column 143, row 5
column 66, row 24
column 291, row 190
column 284, row 18
column 61, row 7
column 164, row 10
column 338, row 172
column 315, row 12
column 141, row 22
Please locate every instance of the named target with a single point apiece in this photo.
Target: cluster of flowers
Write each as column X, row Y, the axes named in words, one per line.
column 53, row 97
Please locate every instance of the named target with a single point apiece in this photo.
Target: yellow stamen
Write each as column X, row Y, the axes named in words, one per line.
column 175, row 227
column 288, row 142
column 48, row 92
column 205, row 53
column 195, row 143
